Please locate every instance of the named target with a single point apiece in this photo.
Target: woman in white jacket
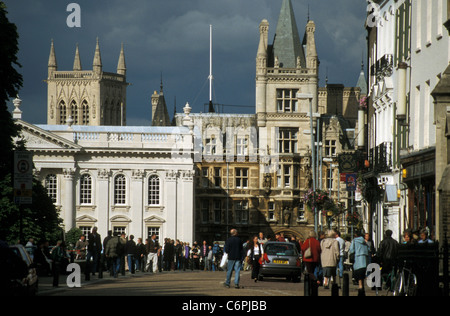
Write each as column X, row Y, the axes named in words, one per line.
column 254, row 253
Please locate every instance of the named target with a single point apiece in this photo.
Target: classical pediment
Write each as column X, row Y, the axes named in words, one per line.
column 38, row 139
column 154, row 219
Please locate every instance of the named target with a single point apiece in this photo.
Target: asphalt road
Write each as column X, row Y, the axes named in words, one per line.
column 181, row 284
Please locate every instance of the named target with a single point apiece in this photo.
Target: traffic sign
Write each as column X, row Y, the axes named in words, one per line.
column 23, row 177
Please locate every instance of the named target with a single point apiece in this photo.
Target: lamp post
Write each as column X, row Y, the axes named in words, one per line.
column 309, row 97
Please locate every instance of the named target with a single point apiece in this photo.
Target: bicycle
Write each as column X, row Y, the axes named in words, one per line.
column 406, row 282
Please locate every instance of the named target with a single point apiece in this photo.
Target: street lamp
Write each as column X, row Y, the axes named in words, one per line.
column 308, row 96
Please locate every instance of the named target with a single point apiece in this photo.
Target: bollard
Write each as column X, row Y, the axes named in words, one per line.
column 345, row 285
column 87, row 271
column 334, row 289
column 314, row 287
column 306, row 285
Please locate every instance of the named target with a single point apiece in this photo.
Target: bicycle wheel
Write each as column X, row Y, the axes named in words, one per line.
column 411, row 289
column 398, row 288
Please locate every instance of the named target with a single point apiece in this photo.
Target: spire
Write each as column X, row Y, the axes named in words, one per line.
column 287, row 45
column 160, row 113
column 52, row 65
column 121, row 66
column 97, row 59
column 362, row 83
column 77, row 61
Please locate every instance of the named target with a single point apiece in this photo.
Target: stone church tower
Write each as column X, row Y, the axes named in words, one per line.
column 283, row 69
column 88, row 97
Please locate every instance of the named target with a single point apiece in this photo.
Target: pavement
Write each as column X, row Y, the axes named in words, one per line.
column 184, row 283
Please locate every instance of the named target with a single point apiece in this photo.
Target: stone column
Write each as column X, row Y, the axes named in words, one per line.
column 137, row 203
column 69, row 199
column 171, row 207
column 185, row 214
column 103, row 201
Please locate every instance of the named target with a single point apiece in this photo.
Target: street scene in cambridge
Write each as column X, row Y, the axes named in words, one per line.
column 231, row 155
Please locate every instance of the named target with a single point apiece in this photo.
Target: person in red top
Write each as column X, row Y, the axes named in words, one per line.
column 313, row 261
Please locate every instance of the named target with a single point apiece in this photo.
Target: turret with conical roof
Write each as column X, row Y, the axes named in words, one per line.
column 97, row 64
column 77, row 60
column 121, row 66
column 52, row 65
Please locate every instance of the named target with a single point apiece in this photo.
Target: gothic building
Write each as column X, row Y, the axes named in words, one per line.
column 88, row 97
column 253, row 170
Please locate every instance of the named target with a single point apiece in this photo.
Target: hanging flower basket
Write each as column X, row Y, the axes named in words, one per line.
column 318, row 199
column 353, row 219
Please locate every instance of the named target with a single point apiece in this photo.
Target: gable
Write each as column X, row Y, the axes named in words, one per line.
column 38, row 139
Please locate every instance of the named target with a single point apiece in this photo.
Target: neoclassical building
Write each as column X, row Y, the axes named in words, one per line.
column 137, row 180
column 99, row 172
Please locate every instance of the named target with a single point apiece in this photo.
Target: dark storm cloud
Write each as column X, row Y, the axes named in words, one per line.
column 172, row 37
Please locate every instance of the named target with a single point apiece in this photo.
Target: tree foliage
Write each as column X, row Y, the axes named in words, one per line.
column 40, row 220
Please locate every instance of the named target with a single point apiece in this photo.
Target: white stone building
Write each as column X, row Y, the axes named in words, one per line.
column 137, row 180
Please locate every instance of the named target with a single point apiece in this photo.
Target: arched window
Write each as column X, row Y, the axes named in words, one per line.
column 51, row 184
column 120, row 189
column 86, row 189
column 85, row 113
column 74, row 108
column 62, row 112
column 153, row 190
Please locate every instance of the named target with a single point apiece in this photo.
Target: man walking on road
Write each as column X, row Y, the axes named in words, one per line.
column 152, row 251
column 235, row 251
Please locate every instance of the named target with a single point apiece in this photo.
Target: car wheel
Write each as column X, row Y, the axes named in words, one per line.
column 260, row 278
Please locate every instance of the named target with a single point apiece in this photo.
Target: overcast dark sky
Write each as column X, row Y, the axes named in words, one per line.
column 172, row 37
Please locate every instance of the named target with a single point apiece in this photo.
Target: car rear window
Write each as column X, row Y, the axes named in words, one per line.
column 280, row 250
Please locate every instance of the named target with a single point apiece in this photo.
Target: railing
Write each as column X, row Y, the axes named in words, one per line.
column 380, row 157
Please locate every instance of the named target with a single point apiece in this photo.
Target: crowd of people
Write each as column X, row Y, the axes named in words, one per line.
column 325, row 255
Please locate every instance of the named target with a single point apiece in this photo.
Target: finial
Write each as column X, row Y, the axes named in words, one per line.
column 17, row 113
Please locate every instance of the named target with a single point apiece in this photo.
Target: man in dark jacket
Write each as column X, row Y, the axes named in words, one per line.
column 94, row 250
column 113, row 252
column 130, row 251
column 387, row 252
column 235, row 251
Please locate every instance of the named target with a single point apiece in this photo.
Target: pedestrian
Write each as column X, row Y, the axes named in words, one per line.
column 261, row 238
column 203, row 254
column 424, row 237
column 140, row 255
column 329, row 257
column 57, row 257
column 130, row 251
column 80, row 248
column 168, row 254
column 152, row 254
column 340, row 266
column 123, row 241
column 369, row 243
column 94, row 250
column 360, row 249
column 104, row 259
column 209, row 259
column 186, row 255
column 215, row 253
column 312, row 260
column 178, row 255
column 408, row 238
column 113, row 252
column 195, row 251
column 254, row 253
column 234, row 249
column 387, row 252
